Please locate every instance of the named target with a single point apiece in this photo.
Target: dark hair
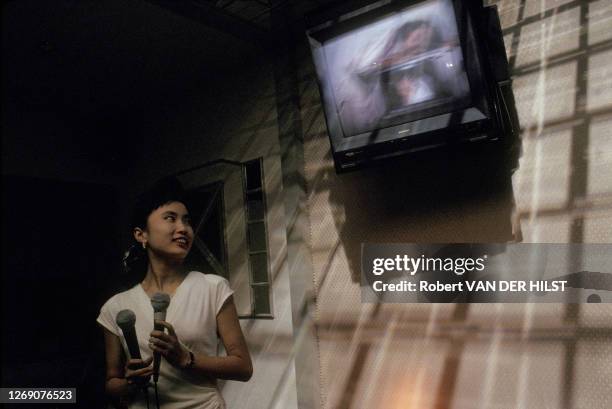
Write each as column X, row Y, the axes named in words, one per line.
column 407, row 28
column 404, row 31
column 162, row 192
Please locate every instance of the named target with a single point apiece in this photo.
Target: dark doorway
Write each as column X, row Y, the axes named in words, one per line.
column 60, row 251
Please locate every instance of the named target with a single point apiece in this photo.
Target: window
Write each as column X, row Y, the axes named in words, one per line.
column 209, row 250
column 256, row 233
column 227, row 201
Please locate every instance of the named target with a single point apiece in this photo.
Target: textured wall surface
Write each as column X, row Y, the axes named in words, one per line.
column 475, row 356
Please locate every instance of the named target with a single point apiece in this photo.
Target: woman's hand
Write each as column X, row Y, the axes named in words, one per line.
column 138, row 372
column 168, row 345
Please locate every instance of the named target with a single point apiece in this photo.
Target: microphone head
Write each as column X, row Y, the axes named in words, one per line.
column 160, row 302
column 126, row 319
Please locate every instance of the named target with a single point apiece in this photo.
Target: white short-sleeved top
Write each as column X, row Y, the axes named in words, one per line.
column 193, row 313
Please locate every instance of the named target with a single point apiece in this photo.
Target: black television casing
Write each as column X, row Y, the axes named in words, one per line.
column 489, row 117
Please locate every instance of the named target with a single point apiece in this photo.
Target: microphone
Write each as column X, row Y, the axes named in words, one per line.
column 160, row 302
column 126, row 320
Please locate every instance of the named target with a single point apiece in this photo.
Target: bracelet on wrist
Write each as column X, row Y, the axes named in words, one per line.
column 189, row 364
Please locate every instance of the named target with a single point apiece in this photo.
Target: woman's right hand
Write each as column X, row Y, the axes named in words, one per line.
column 138, row 372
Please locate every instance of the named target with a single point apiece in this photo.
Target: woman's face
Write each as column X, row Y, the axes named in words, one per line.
column 405, row 89
column 169, row 233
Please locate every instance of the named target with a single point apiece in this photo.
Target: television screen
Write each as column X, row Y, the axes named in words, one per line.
column 404, row 76
column 400, row 67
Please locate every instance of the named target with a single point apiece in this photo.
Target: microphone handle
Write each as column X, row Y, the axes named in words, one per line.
column 132, row 342
column 158, row 315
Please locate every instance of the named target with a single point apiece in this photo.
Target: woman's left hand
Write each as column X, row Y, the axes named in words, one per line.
column 168, row 345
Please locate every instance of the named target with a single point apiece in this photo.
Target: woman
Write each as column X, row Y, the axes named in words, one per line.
column 391, row 81
column 404, row 86
column 201, row 310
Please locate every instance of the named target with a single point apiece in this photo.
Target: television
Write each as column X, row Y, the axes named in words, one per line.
column 398, row 77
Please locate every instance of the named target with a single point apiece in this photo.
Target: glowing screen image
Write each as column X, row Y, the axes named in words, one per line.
column 395, row 69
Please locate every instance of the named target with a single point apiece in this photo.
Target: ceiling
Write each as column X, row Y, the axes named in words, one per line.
column 86, row 73
column 97, row 55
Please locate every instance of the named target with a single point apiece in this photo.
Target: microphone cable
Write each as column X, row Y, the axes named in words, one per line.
column 156, row 395
column 145, row 390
